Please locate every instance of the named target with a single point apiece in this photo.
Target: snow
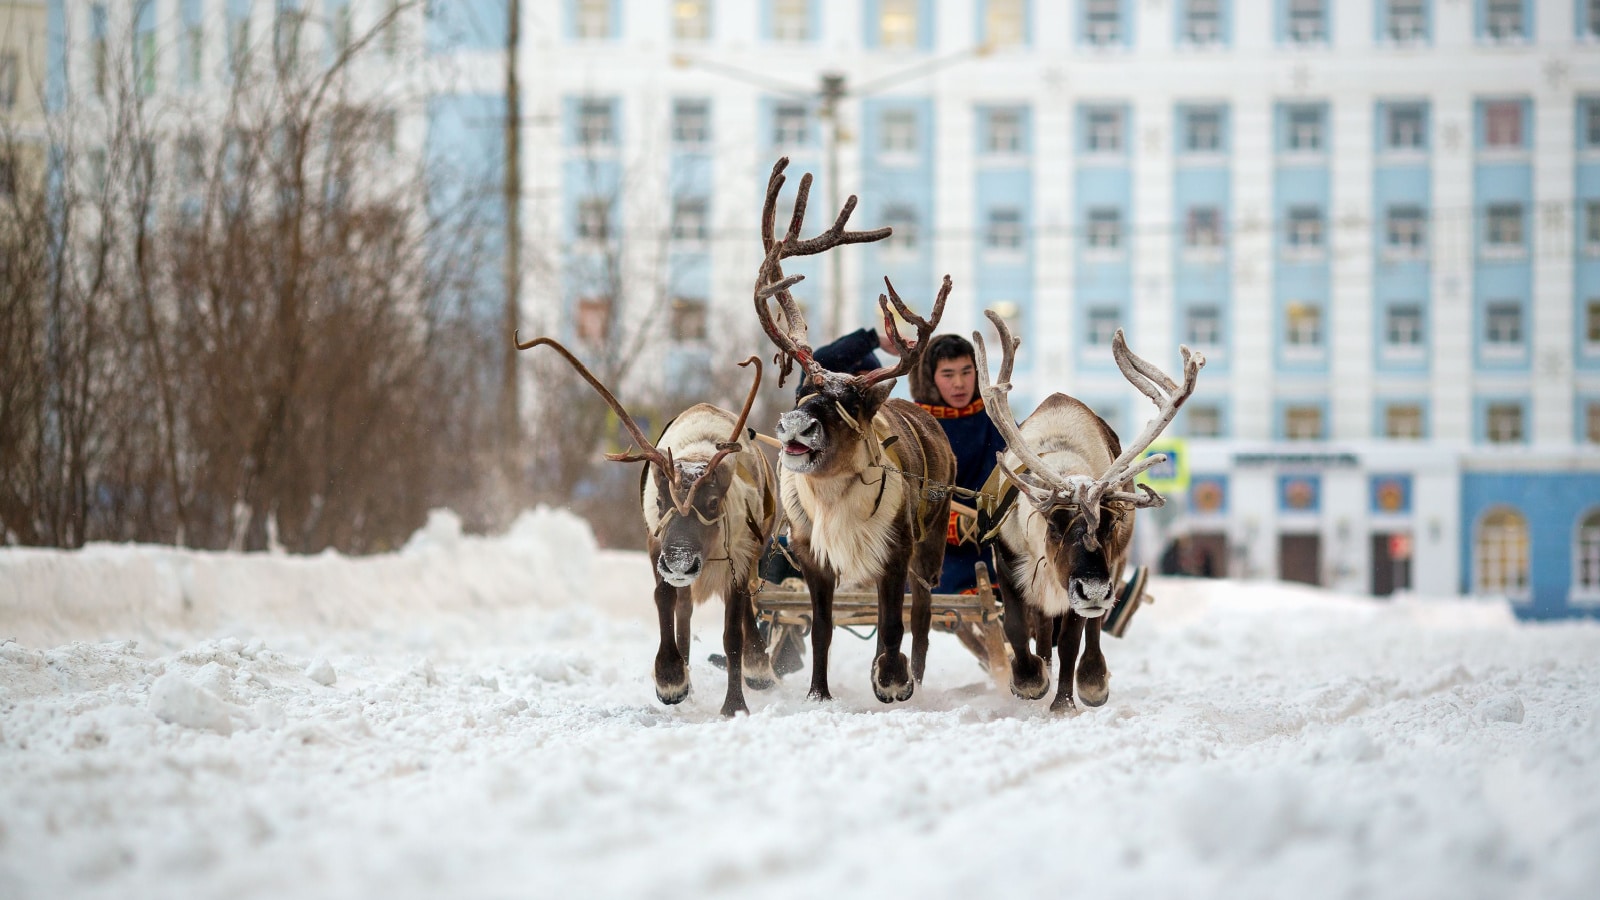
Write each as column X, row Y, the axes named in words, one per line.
column 474, row 717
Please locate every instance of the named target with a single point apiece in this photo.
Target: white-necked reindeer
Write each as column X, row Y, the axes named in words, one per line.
column 709, row 502
column 853, row 515
column 1064, row 552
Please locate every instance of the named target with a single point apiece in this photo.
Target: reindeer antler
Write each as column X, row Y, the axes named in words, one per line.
column 912, row 354
column 647, row 449
column 732, row 444
column 791, row 338
column 1167, row 396
column 1039, row 481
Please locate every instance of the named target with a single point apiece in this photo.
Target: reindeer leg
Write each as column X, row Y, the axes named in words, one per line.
column 1045, row 628
column 1030, row 679
column 733, row 641
column 758, row 674
column 891, row 676
column 1094, row 685
column 821, row 585
column 1071, row 630
column 684, row 611
column 672, row 670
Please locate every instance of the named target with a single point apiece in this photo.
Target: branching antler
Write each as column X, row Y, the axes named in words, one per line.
column 907, row 353
column 1045, row 488
column 681, row 495
column 791, row 337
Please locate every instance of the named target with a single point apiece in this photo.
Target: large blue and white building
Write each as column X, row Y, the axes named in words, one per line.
column 1379, row 220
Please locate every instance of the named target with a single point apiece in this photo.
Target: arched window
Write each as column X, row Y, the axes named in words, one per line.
column 1586, row 558
column 1501, row 557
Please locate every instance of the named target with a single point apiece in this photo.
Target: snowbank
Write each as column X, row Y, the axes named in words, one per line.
column 119, row 591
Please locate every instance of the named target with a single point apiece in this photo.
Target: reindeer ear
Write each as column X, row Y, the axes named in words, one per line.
column 877, row 394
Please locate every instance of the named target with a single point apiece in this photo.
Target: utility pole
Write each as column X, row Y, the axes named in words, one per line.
column 832, row 92
column 509, row 411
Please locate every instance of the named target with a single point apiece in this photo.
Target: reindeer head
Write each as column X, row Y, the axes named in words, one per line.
column 830, row 421
column 687, row 495
column 1088, row 516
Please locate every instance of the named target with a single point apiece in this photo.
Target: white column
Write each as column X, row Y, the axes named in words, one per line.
column 1451, row 314
column 1350, row 291
column 1252, row 251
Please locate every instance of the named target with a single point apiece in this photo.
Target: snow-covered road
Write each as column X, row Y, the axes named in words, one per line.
column 475, row 718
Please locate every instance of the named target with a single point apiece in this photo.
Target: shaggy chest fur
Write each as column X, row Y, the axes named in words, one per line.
column 837, row 515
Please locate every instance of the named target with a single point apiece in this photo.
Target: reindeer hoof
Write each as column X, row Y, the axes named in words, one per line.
column 890, row 680
column 759, row 677
column 731, row 708
column 1063, row 703
column 1094, row 682
column 1030, row 680
column 672, row 681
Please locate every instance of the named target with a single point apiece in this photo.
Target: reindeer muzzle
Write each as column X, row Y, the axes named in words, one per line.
column 801, row 436
column 680, row 566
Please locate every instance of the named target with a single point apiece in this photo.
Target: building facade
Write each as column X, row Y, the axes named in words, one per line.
column 1379, row 220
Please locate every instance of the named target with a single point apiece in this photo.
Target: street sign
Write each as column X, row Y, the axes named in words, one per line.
column 1171, row 476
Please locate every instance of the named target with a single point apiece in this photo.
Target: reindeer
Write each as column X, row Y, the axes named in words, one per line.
column 707, row 524
column 1063, row 557
column 846, row 451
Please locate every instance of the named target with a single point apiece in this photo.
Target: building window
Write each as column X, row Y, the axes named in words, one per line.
column 689, row 219
column 1202, row 22
column 1503, row 423
column 194, row 42
column 1402, row 421
column 1303, row 325
column 596, row 126
column 1503, row 227
column 1004, row 137
column 791, row 20
column 1406, row 232
column 897, row 23
column 1402, row 326
column 1202, row 130
column 691, row 122
column 688, row 319
column 1587, row 556
column 594, row 19
column 691, row 20
column 1304, row 229
column 8, row 179
column 1591, row 325
column 1203, row 230
column 1502, row 125
column 593, row 319
column 1305, row 130
column 1102, row 22
column 1502, row 554
column 1302, row 423
column 1004, row 231
column 1591, row 421
column 98, row 61
column 789, row 125
column 1503, row 20
column 1591, row 227
column 1407, row 21
column 1406, row 128
column 1307, row 21
column 594, row 219
column 1102, row 326
column 191, row 160
column 1203, row 327
column 1591, row 19
column 904, row 239
column 899, row 131
column 1005, row 23
column 1590, row 129
column 8, row 80
column 1104, row 131
column 1104, row 233
column 1502, row 324
column 1205, row 421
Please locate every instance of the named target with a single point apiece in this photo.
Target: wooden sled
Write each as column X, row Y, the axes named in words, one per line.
column 973, row 618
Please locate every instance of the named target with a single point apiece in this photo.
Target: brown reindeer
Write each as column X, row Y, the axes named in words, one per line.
column 1063, row 555
column 855, row 515
column 709, row 502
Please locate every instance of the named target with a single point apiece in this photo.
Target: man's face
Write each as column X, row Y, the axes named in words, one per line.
column 956, row 380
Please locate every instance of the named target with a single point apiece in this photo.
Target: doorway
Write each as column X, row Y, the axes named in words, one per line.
column 1300, row 558
column 1391, row 562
